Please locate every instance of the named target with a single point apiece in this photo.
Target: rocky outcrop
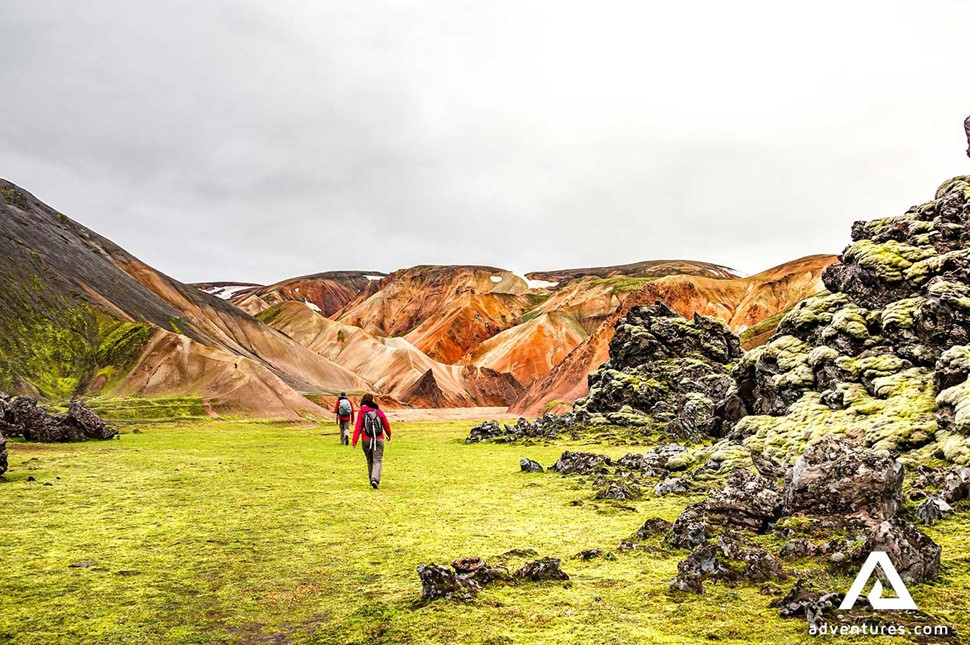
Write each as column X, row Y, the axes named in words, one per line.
column 22, row 417
column 440, row 582
column 834, row 477
column 748, row 501
column 547, row 427
column 467, row 576
column 726, row 560
column 741, row 302
column 843, row 489
column 914, row 555
column 888, row 344
column 664, row 369
column 542, row 570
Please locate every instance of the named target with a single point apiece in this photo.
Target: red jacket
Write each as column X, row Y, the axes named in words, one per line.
column 359, row 428
column 337, row 405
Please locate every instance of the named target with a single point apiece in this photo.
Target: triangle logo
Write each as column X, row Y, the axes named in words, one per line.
column 880, row 559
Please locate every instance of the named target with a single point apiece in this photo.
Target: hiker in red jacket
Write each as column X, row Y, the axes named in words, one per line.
column 344, row 411
column 373, row 426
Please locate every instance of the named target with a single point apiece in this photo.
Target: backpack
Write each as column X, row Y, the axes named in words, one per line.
column 344, row 408
column 372, row 424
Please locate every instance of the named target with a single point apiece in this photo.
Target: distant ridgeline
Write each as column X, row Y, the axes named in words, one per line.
column 82, row 317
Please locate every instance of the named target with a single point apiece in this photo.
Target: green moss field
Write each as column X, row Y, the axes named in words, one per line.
column 242, row 532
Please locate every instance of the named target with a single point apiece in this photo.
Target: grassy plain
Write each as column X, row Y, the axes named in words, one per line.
column 234, row 532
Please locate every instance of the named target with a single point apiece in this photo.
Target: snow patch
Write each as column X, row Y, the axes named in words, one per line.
column 313, row 306
column 496, row 278
column 227, row 292
column 541, row 284
column 374, row 278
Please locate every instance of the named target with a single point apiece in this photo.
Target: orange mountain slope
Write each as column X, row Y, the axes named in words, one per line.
column 741, row 302
column 409, row 297
column 173, row 364
column 528, row 351
column 394, row 366
column 466, row 322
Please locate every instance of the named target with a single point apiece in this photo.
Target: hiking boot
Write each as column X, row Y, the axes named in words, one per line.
column 374, row 485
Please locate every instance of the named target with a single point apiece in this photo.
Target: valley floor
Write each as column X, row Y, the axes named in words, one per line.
column 249, row 533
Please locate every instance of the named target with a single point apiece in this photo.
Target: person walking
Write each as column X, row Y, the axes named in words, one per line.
column 374, row 428
column 344, row 411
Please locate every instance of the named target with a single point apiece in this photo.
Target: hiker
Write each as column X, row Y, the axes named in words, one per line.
column 344, row 411
column 372, row 425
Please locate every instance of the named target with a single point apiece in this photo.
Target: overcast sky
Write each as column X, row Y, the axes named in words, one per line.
column 258, row 140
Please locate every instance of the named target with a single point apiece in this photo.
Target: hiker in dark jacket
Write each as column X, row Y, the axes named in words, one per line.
column 374, row 428
column 344, row 411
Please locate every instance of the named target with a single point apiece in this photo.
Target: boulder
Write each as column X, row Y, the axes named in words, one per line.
column 588, row 554
column 3, row 455
column 933, row 509
column 484, row 431
column 815, row 607
column 542, row 570
column 477, row 569
column 915, row 556
column 619, row 491
column 652, row 527
column 689, row 529
column 955, row 484
column 529, row 466
column 670, row 485
column 702, row 564
column 22, row 417
column 761, row 566
column 837, row 478
column 952, row 368
column 746, row 502
column 652, row 333
column 583, row 463
column 438, row 581
column 91, row 425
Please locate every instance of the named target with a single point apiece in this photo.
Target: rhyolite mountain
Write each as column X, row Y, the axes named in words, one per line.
column 490, row 318
column 744, row 303
column 82, row 317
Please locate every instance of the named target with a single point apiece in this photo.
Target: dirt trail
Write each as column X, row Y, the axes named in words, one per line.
column 450, row 414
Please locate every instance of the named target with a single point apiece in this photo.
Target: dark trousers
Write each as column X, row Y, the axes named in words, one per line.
column 344, row 431
column 374, row 451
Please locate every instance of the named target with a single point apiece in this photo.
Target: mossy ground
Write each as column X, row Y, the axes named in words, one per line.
column 247, row 532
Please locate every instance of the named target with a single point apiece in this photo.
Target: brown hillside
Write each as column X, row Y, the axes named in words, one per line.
column 647, row 269
column 394, row 366
column 80, row 312
column 409, row 297
column 528, row 351
column 328, row 292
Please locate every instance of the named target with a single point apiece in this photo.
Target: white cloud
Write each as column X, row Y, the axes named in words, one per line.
column 258, row 140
